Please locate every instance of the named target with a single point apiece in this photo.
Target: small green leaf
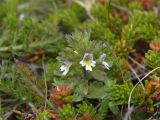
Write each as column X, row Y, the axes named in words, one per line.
column 96, row 91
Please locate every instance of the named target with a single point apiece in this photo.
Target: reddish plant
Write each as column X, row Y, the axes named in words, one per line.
column 146, row 4
column 86, row 116
column 52, row 115
column 61, row 95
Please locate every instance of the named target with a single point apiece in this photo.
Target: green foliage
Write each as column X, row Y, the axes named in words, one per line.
column 69, row 18
column 141, row 25
column 19, row 37
column 104, row 31
column 152, row 58
column 103, row 109
column 119, row 94
column 86, row 108
column 104, row 25
column 15, row 79
column 104, row 12
column 66, row 112
column 42, row 116
column 100, row 91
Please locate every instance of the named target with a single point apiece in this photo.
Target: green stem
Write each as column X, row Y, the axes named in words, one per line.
column 84, row 74
column 85, row 78
column 109, row 6
column 19, row 47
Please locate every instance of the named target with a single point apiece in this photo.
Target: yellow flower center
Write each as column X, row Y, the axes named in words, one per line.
column 87, row 62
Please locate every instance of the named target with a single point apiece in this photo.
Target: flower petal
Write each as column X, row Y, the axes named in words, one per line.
column 65, row 68
column 65, row 72
column 88, row 68
column 106, row 65
column 102, row 57
column 82, row 63
column 93, row 63
column 62, row 68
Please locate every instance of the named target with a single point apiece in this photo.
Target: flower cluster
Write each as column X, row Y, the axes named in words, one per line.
column 87, row 62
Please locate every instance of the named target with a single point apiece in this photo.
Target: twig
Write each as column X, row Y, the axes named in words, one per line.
column 122, row 110
column 79, row 2
column 8, row 100
column 136, row 75
column 137, row 63
column 140, row 75
column 129, row 99
column 8, row 114
column 45, row 82
column 87, row 5
column 109, row 6
column 156, row 104
column 34, row 87
column 153, row 115
column 120, row 8
column 127, row 115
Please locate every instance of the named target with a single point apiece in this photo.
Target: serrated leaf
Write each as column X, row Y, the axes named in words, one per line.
column 99, row 75
column 96, row 91
column 77, row 98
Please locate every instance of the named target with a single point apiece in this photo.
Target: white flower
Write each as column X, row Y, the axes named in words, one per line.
column 107, row 65
column 88, row 61
column 21, row 16
column 65, row 68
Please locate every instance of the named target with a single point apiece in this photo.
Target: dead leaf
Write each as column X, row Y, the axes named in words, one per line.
column 52, row 115
column 148, row 88
column 17, row 112
column 154, row 46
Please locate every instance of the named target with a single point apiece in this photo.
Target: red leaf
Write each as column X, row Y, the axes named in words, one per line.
column 146, row 4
